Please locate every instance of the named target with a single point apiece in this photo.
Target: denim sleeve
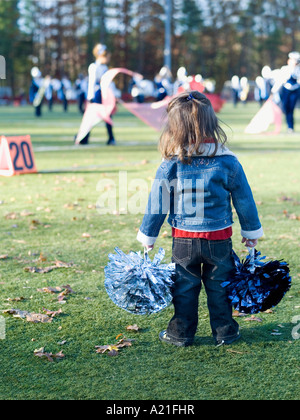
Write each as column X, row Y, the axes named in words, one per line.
column 157, row 209
column 244, row 204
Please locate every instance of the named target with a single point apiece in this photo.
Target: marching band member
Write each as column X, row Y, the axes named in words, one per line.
column 287, row 86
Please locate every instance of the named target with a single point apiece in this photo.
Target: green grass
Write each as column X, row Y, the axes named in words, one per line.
column 60, row 204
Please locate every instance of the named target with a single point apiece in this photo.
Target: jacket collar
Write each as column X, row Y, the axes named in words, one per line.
column 207, row 149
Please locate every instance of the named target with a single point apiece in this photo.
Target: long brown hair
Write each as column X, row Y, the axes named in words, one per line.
column 191, row 122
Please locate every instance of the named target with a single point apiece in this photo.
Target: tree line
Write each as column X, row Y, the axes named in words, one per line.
column 216, row 38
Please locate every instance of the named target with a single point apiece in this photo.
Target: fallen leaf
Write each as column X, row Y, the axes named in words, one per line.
column 253, row 318
column 285, row 198
column 29, row 316
column 86, row 235
column 113, row 349
column 26, row 213
column 36, row 318
column 52, row 314
column 16, row 299
column 133, row 327
column 238, row 314
column 50, row 289
column 291, row 216
column 103, row 349
column 35, row 222
column 39, row 270
column 42, row 258
column 124, row 342
column 63, row 291
column 61, row 264
column 67, row 291
column 17, row 313
column 11, row 216
column 43, row 270
column 49, row 356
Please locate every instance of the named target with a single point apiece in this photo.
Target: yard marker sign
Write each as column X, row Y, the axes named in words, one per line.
column 16, row 156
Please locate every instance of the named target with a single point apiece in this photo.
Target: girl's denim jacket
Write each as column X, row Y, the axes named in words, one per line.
column 198, row 196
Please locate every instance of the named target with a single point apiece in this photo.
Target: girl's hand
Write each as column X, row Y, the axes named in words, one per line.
column 148, row 247
column 251, row 243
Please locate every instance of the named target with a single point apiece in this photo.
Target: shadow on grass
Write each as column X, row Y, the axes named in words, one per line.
column 266, row 334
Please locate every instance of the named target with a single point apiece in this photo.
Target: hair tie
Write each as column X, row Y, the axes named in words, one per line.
column 190, row 97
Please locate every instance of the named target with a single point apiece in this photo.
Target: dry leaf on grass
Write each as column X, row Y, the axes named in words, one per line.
column 62, row 264
column 17, row 313
column 49, row 356
column 238, row 314
column 16, row 299
column 39, row 270
column 11, row 216
column 42, row 270
column 36, row 318
column 113, row 349
column 285, row 198
column 50, row 289
column 110, row 349
column 86, row 235
column 29, row 316
column 26, row 213
column 254, row 318
column 125, row 342
column 133, row 327
column 32, row 316
column 52, row 314
column 291, row 216
column 42, row 258
column 62, row 290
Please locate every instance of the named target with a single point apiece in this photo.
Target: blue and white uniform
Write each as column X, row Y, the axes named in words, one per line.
column 287, row 85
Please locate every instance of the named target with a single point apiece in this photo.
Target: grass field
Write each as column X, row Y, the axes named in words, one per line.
column 52, row 216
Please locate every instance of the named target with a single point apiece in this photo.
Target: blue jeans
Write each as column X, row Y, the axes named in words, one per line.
column 210, row 262
column 289, row 100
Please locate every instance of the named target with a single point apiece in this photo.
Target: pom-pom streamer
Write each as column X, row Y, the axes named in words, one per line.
column 137, row 284
column 257, row 285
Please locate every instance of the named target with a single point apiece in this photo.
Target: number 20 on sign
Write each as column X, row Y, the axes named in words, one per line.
column 16, row 156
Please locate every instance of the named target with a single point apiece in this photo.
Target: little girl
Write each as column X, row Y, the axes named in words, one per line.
column 195, row 184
